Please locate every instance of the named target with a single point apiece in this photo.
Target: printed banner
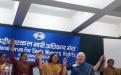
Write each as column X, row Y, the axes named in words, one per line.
column 31, row 41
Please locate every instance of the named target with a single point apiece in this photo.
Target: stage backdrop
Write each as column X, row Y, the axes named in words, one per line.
column 31, row 41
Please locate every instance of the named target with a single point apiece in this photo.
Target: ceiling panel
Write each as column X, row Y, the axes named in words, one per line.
column 111, row 20
column 103, row 29
column 106, row 26
column 90, row 3
column 54, row 11
column 6, row 4
column 54, row 18
column 8, row 10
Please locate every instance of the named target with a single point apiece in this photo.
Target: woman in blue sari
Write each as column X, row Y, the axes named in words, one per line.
column 81, row 67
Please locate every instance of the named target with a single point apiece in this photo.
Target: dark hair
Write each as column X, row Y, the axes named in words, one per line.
column 51, row 56
column 110, row 60
column 22, row 54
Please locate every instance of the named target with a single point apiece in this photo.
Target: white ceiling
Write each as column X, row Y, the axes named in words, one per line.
column 111, row 20
column 66, row 15
column 6, row 4
column 53, row 11
column 90, row 3
column 8, row 11
column 106, row 26
column 54, row 18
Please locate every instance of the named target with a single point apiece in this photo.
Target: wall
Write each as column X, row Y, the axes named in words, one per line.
column 112, row 50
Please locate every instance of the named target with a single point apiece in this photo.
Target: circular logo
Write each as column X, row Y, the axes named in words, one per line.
column 39, row 36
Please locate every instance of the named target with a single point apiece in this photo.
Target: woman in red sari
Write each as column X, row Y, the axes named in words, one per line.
column 21, row 66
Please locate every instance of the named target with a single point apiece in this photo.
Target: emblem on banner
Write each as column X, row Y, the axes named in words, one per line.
column 39, row 36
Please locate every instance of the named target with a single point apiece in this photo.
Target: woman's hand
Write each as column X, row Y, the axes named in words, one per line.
column 39, row 55
column 64, row 61
column 102, row 58
column 12, row 45
column 13, row 42
column 64, row 72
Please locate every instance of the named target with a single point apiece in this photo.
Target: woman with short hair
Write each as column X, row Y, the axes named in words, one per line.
column 81, row 67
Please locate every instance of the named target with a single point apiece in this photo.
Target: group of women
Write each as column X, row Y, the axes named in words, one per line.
column 52, row 67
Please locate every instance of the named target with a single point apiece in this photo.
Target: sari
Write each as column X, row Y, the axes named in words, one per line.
column 83, row 69
column 111, row 71
column 22, row 68
column 51, row 69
